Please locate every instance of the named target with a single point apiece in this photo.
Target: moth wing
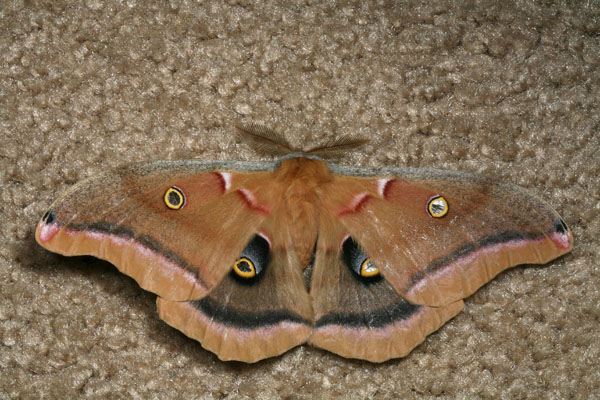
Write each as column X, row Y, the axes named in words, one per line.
column 179, row 254
column 359, row 317
column 433, row 256
column 251, row 319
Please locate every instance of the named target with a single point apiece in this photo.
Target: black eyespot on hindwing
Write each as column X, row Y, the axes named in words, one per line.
column 360, row 263
column 252, row 262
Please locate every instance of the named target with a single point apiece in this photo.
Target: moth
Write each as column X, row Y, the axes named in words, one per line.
column 254, row 258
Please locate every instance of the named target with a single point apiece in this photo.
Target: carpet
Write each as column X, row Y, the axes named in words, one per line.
column 510, row 90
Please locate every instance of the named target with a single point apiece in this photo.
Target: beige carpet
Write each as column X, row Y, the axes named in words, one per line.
column 510, row 91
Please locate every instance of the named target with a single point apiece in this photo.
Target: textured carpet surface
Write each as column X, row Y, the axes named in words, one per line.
column 511, row 91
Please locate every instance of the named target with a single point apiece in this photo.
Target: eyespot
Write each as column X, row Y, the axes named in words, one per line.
column 437, row 206
column 244, row 268
column 355, row 259
column 174, row 198
column 254, row 259
column 368, row 269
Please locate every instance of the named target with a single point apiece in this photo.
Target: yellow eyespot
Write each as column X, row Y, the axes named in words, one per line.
column 437, row 207
column 368, row 269
column 174, row 198
column 244, row 268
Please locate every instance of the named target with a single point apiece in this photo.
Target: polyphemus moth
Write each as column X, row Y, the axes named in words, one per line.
column 255, row 258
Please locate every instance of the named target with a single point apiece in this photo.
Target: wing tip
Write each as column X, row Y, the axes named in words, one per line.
column 562, row 236
column 47, row 228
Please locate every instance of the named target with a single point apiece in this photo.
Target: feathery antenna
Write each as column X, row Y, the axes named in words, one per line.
column 270, row 142
column 266, row 140
column 334, row 147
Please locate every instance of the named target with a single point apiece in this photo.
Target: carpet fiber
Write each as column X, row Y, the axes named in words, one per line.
column 511, row 91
